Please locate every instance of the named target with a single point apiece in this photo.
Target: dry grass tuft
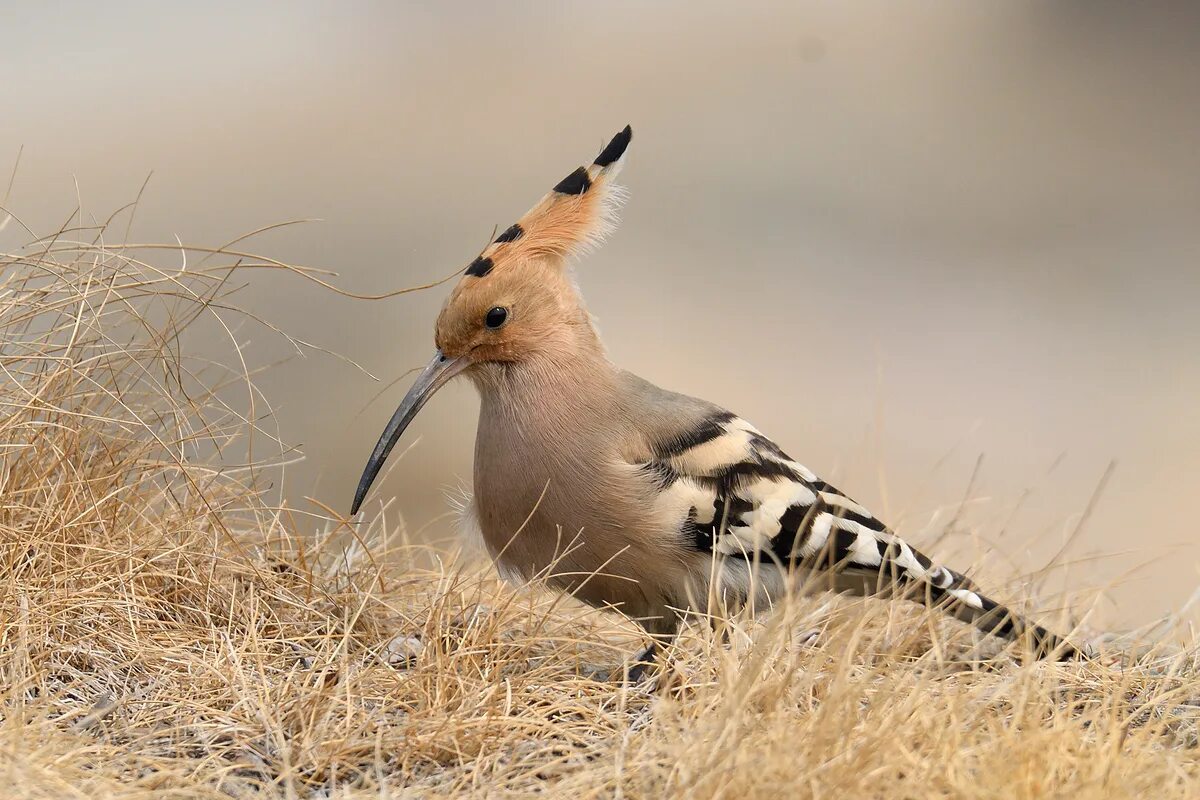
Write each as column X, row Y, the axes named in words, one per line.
column 167, row 630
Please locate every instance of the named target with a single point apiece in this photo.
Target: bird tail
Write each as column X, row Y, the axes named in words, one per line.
column 902, row 571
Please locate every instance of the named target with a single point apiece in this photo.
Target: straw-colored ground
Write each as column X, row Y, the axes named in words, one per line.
column 166, row 632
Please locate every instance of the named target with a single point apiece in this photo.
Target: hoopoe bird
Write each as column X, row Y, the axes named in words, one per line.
column 630, row 496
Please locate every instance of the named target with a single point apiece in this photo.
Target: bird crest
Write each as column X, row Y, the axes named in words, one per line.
column 575, row 215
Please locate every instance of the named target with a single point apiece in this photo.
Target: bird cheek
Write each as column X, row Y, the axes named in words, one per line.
column 496, row 346
column 454, row 341
column 487, row 351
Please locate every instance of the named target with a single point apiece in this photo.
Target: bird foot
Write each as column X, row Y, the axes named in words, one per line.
column 643, row 665
column 639, row 669
column 809, row 638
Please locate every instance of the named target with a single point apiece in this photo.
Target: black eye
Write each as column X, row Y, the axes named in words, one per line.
column 496, row 317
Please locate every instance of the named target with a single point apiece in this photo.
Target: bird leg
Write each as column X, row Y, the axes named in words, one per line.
column 644, row 663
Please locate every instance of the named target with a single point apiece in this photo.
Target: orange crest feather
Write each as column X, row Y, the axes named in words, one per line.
column 576, row 215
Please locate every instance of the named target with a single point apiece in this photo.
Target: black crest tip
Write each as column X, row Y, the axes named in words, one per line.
column 514, row 232
column 614, row 149
column 577, row 182
column 479, row 267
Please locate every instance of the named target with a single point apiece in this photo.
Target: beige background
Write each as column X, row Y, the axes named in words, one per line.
column 897, row 237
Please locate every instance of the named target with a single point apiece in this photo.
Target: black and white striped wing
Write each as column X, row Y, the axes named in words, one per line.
column 736, row 493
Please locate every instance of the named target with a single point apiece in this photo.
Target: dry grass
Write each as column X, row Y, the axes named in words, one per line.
column 167, row 630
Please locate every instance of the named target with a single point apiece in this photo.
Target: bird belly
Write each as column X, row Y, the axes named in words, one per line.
column 603, row 554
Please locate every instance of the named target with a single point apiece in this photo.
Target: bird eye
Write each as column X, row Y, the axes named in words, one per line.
column 496, row 317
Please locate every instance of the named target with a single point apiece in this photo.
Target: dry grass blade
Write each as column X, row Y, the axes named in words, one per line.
column 167, row 629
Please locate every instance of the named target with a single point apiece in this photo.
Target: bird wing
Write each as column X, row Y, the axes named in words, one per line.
column 738, row 494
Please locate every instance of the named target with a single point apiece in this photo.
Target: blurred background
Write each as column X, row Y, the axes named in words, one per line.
column 948, row 254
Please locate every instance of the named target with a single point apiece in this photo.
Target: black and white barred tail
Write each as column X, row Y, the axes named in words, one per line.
column 949, row 591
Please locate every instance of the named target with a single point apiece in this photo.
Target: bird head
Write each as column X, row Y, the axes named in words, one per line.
column 516, row 300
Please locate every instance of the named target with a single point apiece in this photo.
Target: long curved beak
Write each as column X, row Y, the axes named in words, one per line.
column 439, row 371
